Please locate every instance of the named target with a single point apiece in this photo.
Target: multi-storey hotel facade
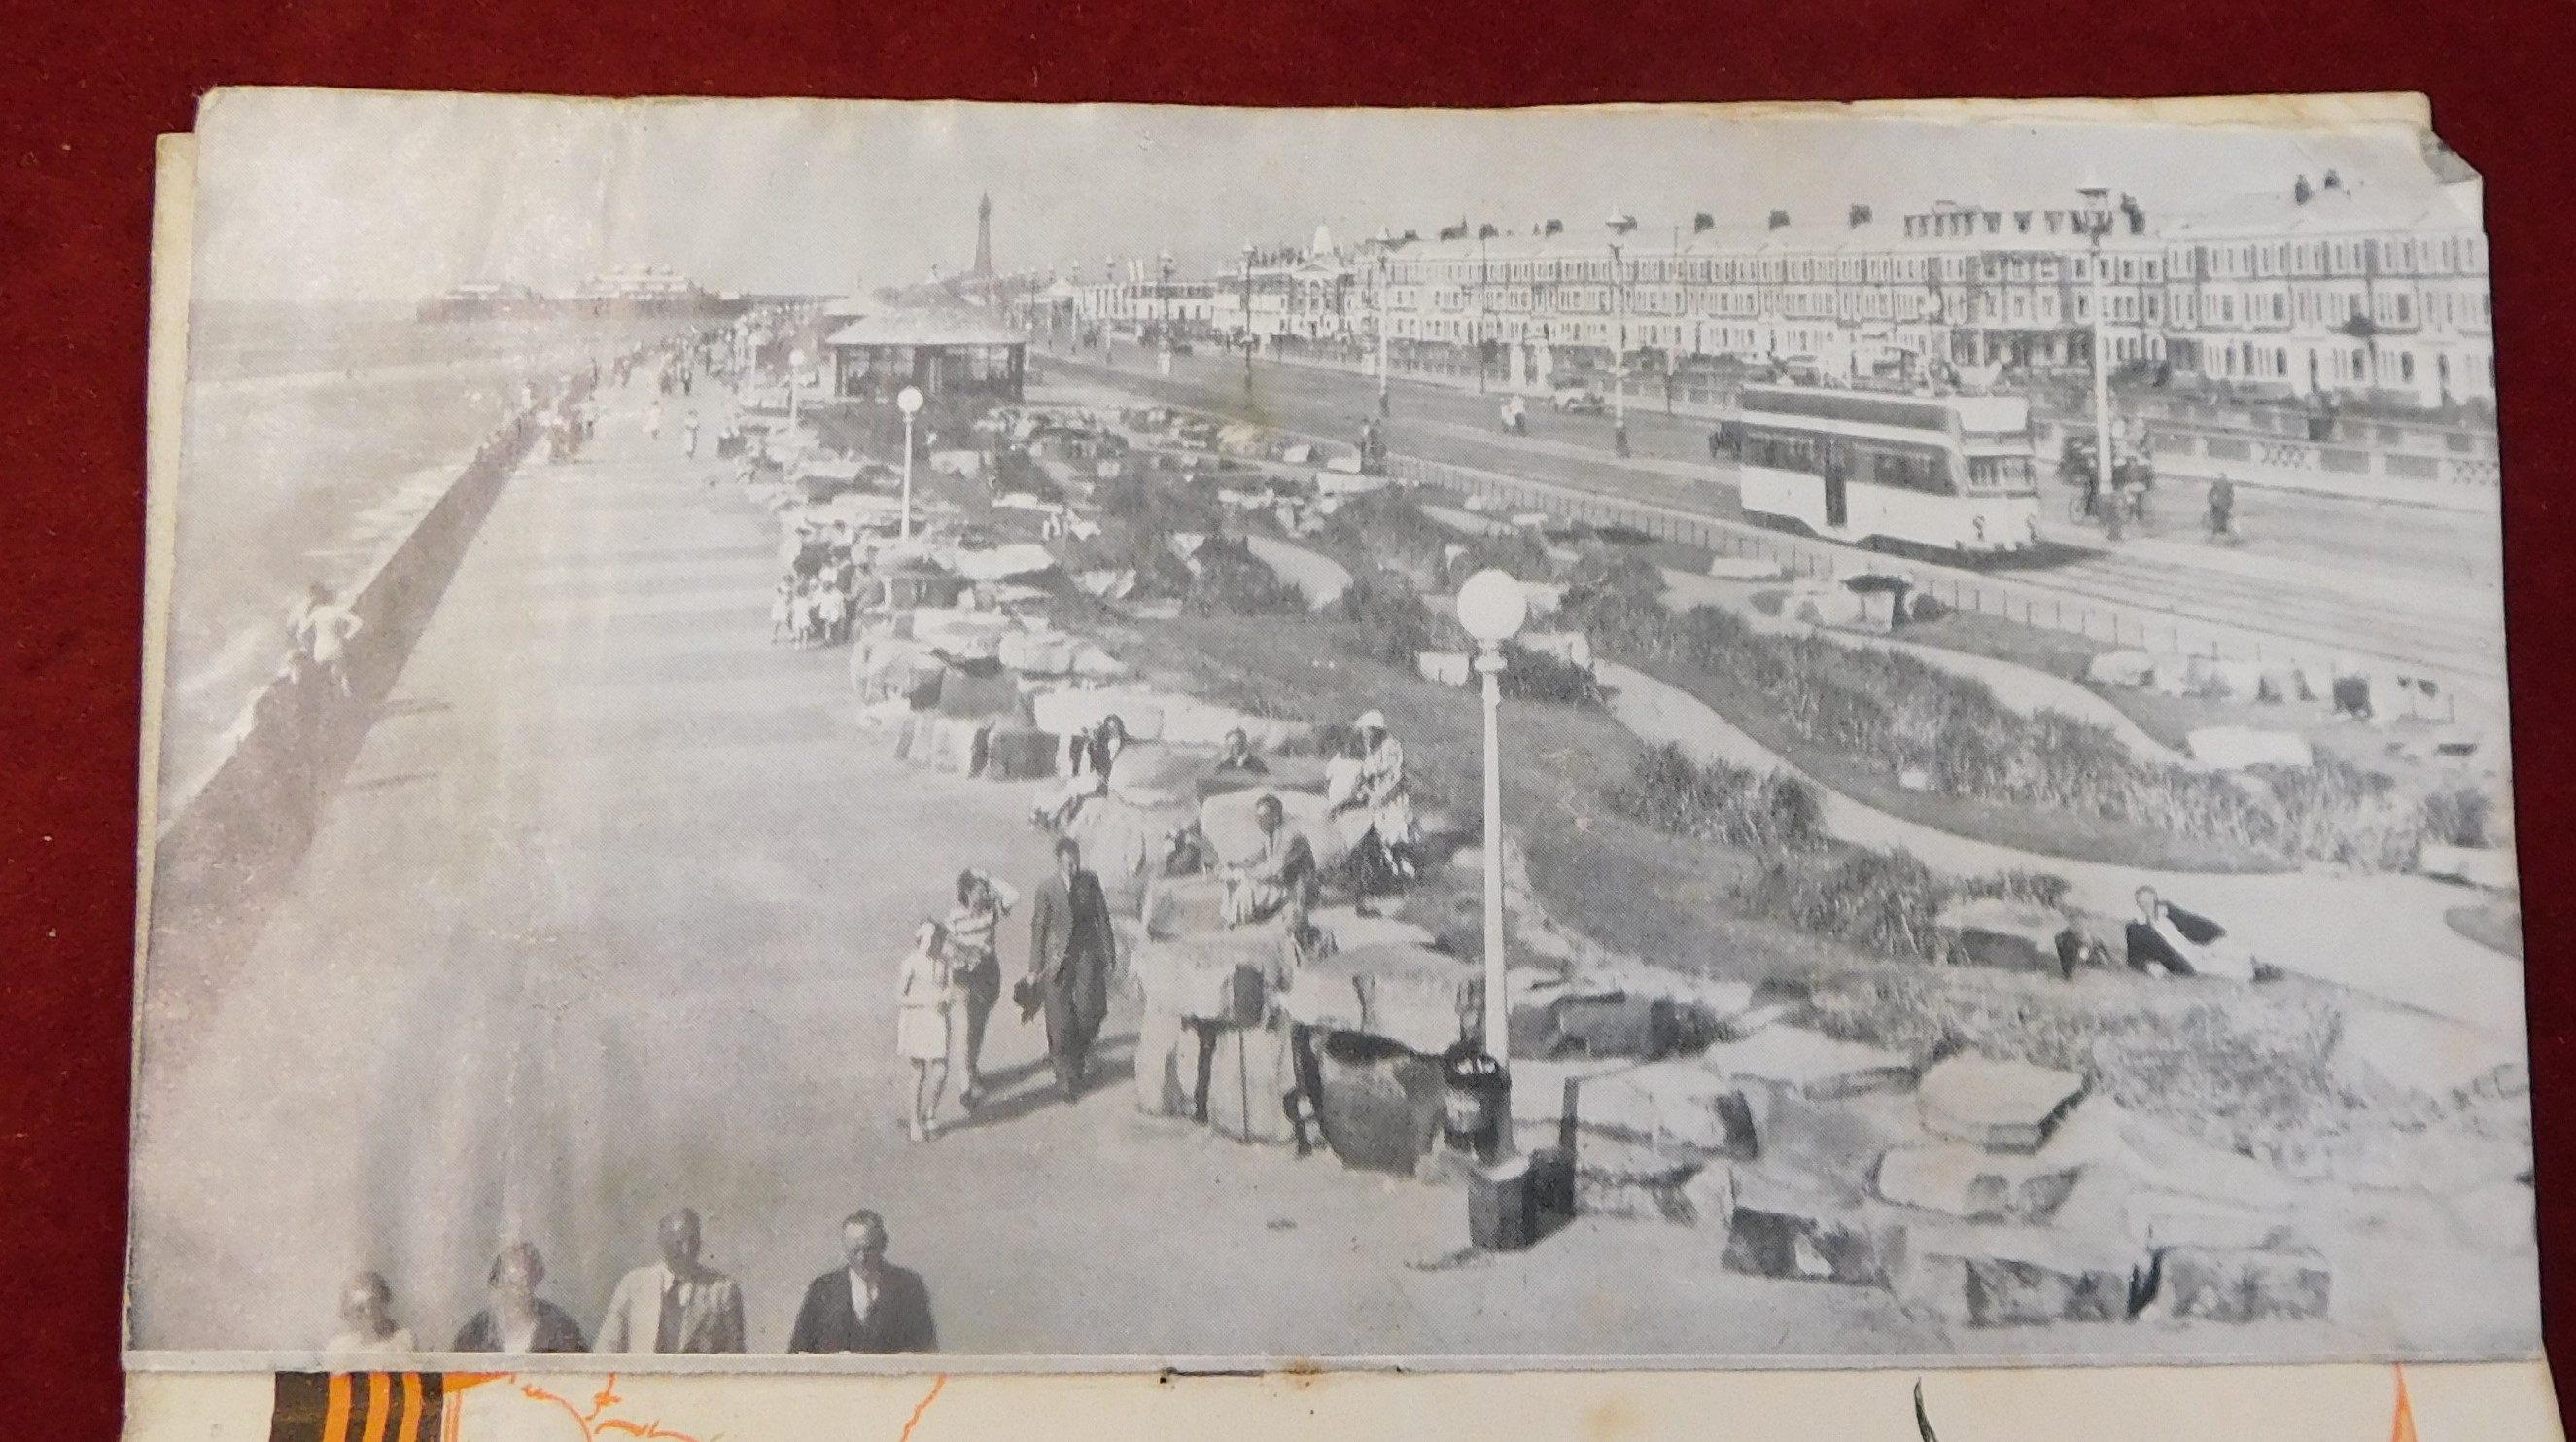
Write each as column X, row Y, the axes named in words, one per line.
column 2321, row 289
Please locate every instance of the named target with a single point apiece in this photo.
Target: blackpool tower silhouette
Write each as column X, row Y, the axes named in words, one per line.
column 980, row 279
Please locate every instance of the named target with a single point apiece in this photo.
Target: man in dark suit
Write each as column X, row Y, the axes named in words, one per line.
column 1070, row 950
column 870, row 1305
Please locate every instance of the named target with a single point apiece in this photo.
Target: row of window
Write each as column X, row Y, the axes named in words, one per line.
column 2411, row 255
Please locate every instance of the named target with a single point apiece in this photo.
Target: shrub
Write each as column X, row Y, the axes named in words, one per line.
column 1898, row 713
column 1231, row 581
column 1551, row 680
column 1718, row 802
column 1388, row 620
column 2458, row 816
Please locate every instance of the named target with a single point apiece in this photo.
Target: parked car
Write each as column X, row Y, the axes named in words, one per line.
column 1578, row 401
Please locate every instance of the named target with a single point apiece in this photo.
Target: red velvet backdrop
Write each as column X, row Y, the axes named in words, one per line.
column 85, row 87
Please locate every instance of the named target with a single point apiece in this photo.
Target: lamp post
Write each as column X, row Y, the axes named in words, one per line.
column 2097, row 221
column 1251, row 340
column 908, row 401
column 795, row 365
column 1620, row 224
column 1479, row 341
column 1163, row 293
column 1492, row 607
column 1385, row 401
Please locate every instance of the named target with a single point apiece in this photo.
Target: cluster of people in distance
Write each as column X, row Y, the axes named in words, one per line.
column 815, row 602
column 676, row 1306
column 688, row 428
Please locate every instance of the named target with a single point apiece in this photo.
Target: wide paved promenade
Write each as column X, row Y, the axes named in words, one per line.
column 604, row 921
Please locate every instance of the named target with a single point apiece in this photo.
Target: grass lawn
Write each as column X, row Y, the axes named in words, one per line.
column 1622, row 884
column 2172, row 719
column 2047, row 832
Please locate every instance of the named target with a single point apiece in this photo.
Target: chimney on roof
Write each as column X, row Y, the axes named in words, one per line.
column 1487, row 231
column 1859, row 216
column 1553, row 227
column 2331, row 182
column 1779, row 219
column 2300, row 191
column 1703, row 222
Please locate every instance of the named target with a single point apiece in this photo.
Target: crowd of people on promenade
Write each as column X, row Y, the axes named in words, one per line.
column 672, row 1307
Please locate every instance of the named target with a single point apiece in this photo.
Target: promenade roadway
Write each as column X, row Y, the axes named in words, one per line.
column 2408, row 582
column 604, row 920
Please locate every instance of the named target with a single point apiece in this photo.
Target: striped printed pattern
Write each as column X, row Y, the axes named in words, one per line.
column 361, row 1407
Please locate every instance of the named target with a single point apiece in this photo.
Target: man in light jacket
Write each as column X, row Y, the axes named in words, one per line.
column 676, row 1305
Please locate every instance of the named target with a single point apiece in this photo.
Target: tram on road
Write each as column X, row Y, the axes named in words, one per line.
column 1945, row 474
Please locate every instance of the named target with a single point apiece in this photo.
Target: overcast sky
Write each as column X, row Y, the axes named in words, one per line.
column 315, row 195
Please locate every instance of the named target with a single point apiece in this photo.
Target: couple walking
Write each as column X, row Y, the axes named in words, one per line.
column 949, row 985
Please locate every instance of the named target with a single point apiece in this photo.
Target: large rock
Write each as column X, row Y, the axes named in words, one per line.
column 1167, row 1065
column 2003, row 1106
column 1000, row 563
column 1839, row 1140
column 1125, row 846
column 1419, row 999
column 2496, row 1218
column 1039, row 653
column 2219, row 1284
column 1251, row 1074
column 2157, row 1220
column 1745, row 568
column 2233, row 748
column 1349, row 930
column 1782, row 1228
column 1547, row 1093
column 2418, row 1052
column 1810, row 1063
column 1154, row 774
column 1673, row 1104
column 1708, row 1197
column 1071, row 711
column 1974, row 1184
column 2121, row 668
column 1224, row 976
column 2000, row 932
column 953, row 745
column 2013, row 1276
column 1445, row 668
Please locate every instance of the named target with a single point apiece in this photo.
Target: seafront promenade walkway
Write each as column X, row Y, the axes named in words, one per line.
column 604, row 921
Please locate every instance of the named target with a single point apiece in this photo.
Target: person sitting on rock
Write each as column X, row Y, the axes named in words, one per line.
column 1091, row 754
column 1278, row 879
column 2176, row 942
column 1238, row 758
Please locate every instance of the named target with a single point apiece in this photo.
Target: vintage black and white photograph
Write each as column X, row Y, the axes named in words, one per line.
column 936, row 736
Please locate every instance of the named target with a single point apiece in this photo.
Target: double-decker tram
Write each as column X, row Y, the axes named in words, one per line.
column 1946, row 474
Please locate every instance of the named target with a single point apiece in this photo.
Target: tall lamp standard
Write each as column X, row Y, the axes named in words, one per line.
column 1492, row 607
column 1385, row 402
column 2097, row 222
column 908, row 401
column 1620, row 225
column 1251, row 338
column 1163, row 294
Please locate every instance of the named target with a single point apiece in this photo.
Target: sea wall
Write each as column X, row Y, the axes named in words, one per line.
column 237, row 830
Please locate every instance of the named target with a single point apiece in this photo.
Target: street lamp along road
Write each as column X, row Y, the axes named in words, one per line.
column 908, row 401
column 1620, row 224
column 1493, row 606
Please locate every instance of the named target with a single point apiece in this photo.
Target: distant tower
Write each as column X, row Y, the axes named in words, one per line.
column 984, row 237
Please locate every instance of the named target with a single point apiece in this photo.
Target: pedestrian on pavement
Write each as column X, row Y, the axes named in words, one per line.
column 922, row 1025
column 1071, row 949
column 975, row 970
column 831, row 611
column 323, row 628
column 870, row 1305
column 653, row 420
column 366, row 1315
column 676, row 1305
column 782, row 611
column 2222, row 508
column 689, row 436
column 519, row 1320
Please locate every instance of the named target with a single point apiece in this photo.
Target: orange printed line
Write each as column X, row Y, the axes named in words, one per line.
column 380, row 1404
column 412, row 1403
column 923, row 1406
column 335, row 1412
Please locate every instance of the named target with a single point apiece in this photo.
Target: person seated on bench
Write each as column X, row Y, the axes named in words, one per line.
column 1238, row 758
column 1279, row 879
column 2168, row 939
column 1090, row 755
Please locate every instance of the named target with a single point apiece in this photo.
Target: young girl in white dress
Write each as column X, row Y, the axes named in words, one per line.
column 921, row 1024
